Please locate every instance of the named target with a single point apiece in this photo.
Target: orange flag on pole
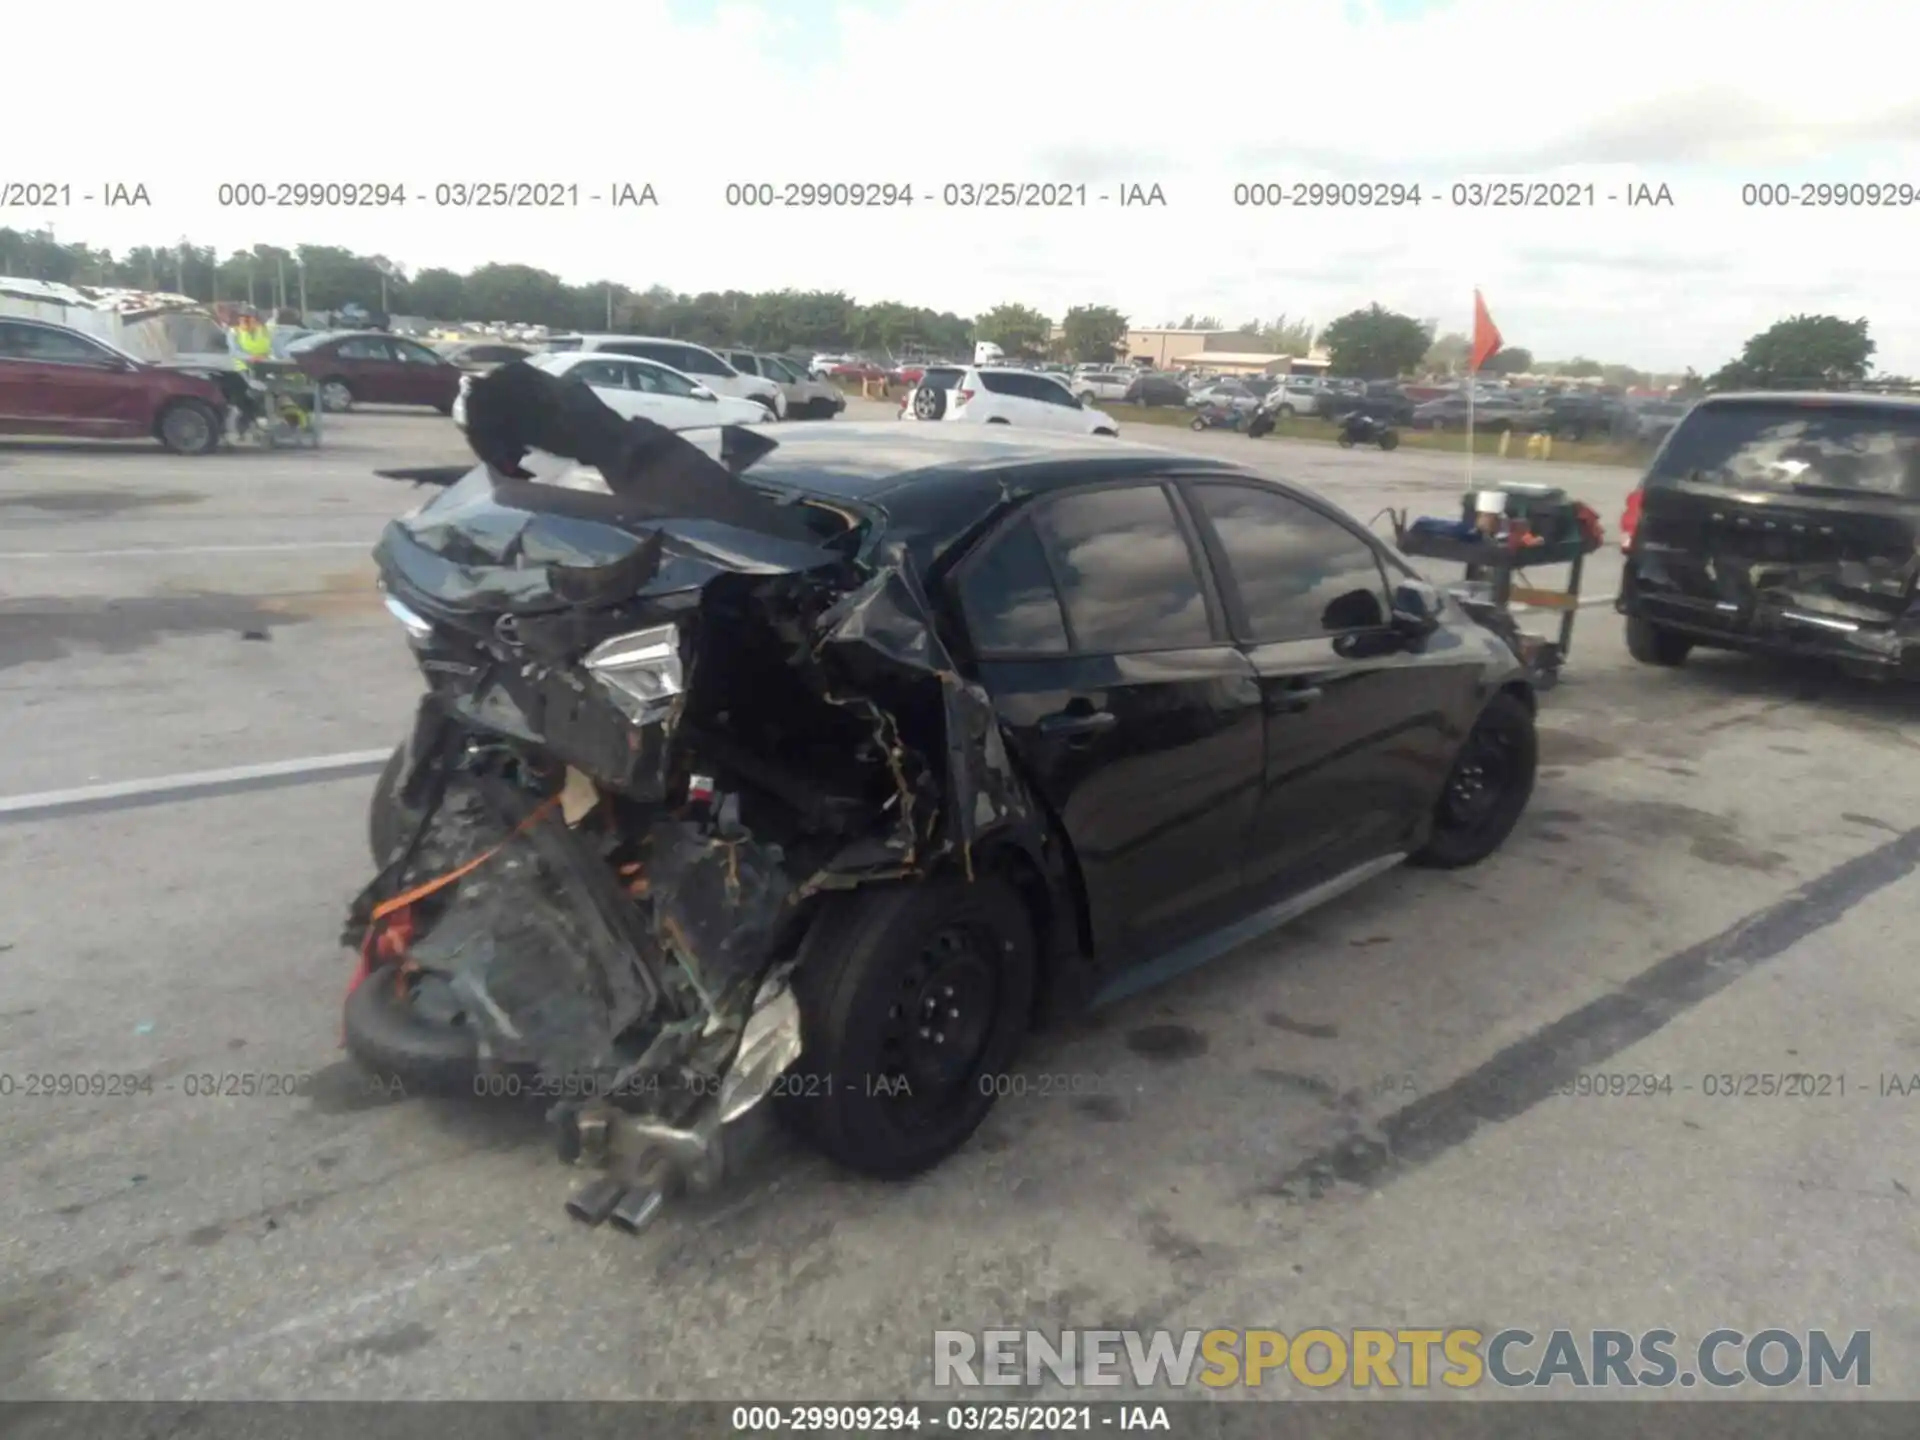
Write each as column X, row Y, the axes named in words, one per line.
column 1486, row 335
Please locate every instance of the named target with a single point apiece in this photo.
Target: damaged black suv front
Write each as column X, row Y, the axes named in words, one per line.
column 669, row 711
column 1781, row 523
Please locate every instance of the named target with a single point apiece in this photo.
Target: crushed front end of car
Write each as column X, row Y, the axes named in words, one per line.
column 666, row 709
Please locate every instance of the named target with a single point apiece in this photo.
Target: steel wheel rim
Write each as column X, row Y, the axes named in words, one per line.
column 1483, row 776
column 335, row 396
column 940, row 1023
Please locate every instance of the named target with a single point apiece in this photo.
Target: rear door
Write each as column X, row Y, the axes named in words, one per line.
column 1361, row 723
column 1763, row 515
column 1095, row 626
column 374, row 371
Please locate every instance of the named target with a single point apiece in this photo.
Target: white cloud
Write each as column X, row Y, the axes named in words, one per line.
column 1701, row 97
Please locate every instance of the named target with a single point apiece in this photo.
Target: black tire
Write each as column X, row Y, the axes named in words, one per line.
column 1345, row 442
column 1087, row 397
column 1108, row 434
column 343, row 392
column 870, row 964
column 1197, row 424
column 1390, row 441
column 1653, row 644
column 445, row 407
column 1478, row 810
column 999, row 420
column 389, row 1040
column 188, row 427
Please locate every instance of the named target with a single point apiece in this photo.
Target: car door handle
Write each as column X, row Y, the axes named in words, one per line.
column 1078, row 723
column 1292, row 700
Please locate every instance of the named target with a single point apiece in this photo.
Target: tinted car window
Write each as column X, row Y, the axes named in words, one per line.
column 1299, row 573
column 943, row 377
column 1790, row 446
column 1127, row 576
column 364, row 348
column 416, row 354
column 1009, row 599
column 693, row 361
column 37, row 342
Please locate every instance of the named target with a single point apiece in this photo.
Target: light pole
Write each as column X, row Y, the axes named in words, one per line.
column 300, row 264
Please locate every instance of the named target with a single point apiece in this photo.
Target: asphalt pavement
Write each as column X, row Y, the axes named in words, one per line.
column 1358, row 1121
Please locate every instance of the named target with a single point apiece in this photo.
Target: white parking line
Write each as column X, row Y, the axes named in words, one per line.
column 267, row 549
column 121, row 793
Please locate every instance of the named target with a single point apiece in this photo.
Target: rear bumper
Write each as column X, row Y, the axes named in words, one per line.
column 1775, row 629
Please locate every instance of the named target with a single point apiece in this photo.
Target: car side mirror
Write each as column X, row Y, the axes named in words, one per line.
column 700, row 392
column 1416, row 607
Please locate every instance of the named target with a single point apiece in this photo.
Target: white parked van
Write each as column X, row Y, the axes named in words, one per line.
column 985, row 352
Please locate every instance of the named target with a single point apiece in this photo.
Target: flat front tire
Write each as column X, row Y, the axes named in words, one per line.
column 1488, row 789
column 914, row 1000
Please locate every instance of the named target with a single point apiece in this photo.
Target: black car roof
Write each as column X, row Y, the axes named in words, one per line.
column 921, row 473
column 1860, row 399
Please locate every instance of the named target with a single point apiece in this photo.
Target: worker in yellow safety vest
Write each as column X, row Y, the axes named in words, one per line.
column 252, row 339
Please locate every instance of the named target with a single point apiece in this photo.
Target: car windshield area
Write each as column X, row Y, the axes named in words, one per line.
column 1797, row 446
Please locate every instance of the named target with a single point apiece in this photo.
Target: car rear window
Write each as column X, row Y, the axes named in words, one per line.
column 1793, row 446
column 943, row 377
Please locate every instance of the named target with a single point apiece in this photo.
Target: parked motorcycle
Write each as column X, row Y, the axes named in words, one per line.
column 1360, row 428
column 1217, row 417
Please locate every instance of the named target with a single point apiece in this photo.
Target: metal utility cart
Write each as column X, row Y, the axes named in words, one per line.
column 290, row 392
column 1494, row 567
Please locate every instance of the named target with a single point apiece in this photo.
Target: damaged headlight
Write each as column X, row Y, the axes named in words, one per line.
column 641, row 671
column 419, row 630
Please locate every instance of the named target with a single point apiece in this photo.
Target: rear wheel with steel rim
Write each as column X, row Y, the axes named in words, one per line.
column 189, row 427
column 913, row 1002
column 1488, row 789
column 336, row 396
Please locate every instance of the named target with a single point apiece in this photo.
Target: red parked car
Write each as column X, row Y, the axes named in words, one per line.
column 58, row 381
column 373, row 368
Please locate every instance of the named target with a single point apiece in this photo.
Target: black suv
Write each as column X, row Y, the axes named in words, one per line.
column 1783, row 523
column 930, row 728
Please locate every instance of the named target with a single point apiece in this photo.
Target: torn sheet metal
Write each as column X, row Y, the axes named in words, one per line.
column 823, row 740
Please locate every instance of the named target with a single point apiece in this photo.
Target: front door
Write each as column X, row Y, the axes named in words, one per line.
column 63, row 382
column 1095, row 628
column 1361, row 720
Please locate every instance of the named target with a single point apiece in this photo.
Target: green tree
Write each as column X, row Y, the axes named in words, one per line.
column 1375, row 344
column 1692, row 385
column 1094, row 332
column 1281, row 336
column 1016, row 329
column 438, row 295
column 1804, row 352
column 1580, row 368
column 1447, row 354
column 1514, row 360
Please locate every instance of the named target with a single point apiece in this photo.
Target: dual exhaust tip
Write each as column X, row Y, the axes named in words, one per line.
column 630, row 1208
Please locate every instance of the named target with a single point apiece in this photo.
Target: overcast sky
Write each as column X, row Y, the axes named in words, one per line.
column 1702, row 96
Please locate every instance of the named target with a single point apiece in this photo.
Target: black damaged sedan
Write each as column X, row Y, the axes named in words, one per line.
column 819, row 764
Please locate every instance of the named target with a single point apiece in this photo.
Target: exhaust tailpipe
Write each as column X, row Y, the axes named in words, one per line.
column 595, row 1201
